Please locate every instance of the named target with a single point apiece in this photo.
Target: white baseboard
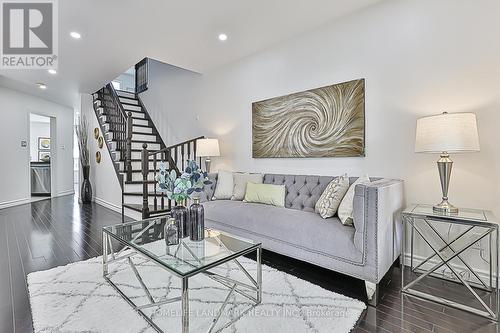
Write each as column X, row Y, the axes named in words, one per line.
column 107, row 204
column 16, row 202
column 483, row 274
column 67, row 192
column 111, row 206
column 28, row 200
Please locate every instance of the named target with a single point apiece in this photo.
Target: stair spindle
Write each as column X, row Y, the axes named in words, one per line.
column 129, row 146
column 155, row 202
column 145, row 171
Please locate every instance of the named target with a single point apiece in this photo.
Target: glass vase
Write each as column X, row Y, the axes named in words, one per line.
column 86, row 191
column 181, row 216
column 171, row 232
column 197, row 220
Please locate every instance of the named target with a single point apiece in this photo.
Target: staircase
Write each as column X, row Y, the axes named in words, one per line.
column 136, row 148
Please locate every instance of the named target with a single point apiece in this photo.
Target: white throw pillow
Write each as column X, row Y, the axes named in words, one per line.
column 346, row 210
column 240, row 183
column 330, row 199
column 224, row 187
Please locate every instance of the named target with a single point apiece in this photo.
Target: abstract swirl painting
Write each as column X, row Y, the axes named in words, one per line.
column 322, row 122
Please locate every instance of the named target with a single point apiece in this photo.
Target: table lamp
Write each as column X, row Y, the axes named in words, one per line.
column 443, row 134
column 207, row 148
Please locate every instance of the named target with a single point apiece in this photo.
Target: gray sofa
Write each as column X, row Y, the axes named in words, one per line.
column 366, row 251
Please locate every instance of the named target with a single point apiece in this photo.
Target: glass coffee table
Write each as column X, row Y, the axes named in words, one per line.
column 185, row 260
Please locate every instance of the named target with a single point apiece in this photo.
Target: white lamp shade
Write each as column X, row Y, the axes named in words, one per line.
column 207, row 147
column 447, row 132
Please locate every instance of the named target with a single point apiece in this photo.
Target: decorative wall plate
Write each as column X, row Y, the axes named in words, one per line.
column 96, row 133
column 98, row 157
column 100, row 142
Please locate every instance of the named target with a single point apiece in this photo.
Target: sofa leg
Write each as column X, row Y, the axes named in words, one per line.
column 372, row 292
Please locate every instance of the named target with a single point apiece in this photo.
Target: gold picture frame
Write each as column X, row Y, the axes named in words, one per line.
column 98, row 157
column 96, row 133
column 100, row 142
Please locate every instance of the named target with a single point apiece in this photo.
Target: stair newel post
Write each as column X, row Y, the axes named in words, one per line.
column 129, row 147
column 182, row 157
column 195, row 144
column 145, row 171
column 169, row 160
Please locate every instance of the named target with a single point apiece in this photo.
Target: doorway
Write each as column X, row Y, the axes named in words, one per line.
column 41, row 148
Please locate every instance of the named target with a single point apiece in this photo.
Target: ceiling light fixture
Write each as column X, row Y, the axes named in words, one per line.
column 52, row 71
column 75, row 35
column 42, row 86
column 222, row 37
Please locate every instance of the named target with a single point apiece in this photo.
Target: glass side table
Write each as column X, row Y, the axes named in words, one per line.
column 448, row 252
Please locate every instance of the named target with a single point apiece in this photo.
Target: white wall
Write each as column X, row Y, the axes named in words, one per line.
column 170, row 101
column 37, row 129
column 418, row 57
column 105, row 185
column 14, row 128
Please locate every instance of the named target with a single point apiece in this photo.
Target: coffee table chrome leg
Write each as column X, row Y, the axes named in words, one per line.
column 497, row 288
column 259, row 275
column 104, row 254
column 185, row 305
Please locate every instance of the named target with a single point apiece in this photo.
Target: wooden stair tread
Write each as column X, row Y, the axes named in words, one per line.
column 125, row 103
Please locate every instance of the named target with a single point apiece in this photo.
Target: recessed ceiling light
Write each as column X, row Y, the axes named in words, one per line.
column 42, row 86
column 75, row 35
column 52, row 71
column 222, row 37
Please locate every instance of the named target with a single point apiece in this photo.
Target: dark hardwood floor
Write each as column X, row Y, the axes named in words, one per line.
column 50, row 233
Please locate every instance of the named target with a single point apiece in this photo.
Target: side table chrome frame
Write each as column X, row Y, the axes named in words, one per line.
column 489, row 230
column 234, row 286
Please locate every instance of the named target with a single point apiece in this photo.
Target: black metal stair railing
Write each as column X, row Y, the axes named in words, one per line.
column 141, row 76
column 176, row 157
column 119, row 124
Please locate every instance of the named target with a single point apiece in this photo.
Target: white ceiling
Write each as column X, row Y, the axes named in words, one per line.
column 118, row 33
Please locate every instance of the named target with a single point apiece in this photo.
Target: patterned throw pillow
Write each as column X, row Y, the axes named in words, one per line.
column 330, row 199
column 346, row 208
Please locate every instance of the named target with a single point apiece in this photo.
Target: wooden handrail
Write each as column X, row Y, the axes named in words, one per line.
column 127, row 118
column 176, row 145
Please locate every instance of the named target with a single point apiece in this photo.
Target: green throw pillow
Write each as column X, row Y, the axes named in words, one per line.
column 265, row 194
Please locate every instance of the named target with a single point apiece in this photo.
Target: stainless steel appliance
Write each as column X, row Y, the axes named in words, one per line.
column 40, row 178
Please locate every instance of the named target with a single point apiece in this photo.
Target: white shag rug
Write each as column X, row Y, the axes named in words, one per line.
column 76, row 298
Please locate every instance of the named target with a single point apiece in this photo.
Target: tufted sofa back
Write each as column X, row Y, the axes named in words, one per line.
column 302, row 192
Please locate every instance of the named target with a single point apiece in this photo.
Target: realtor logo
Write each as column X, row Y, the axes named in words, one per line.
column 29, row 34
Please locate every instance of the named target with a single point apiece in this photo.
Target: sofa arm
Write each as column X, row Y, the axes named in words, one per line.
column 377, row 219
